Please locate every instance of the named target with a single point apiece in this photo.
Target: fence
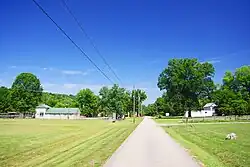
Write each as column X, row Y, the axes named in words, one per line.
column 220, row 118
column 12, row 115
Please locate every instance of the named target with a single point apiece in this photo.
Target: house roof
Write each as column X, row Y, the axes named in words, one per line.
column 63, row 111
column 43, row 106
column 210, row 105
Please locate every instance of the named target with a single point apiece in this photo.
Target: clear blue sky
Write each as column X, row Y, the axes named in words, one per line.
column 136, row 37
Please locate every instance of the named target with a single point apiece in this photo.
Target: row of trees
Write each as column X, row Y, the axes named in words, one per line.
column 110, row 100
column 26, row 93
column 188, row 85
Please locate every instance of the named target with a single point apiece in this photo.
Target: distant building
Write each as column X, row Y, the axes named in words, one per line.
column 209, row 110
column 44, row 111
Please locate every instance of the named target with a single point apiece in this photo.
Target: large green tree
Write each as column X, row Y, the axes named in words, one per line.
column 87, row 102
column 187, row 80
column 26, row 93
column 161, row 106
column 233, row 96
column 150, row 110
column 114, row 100
column 5, row 102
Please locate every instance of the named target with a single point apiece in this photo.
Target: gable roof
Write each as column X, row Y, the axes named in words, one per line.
column 43, row 106
column 210, row 105
column 63, row 111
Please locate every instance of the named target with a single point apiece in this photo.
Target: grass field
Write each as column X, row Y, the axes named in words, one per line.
column 202, row 120
column 60, row 142
column 168, row 121
column 207, row 143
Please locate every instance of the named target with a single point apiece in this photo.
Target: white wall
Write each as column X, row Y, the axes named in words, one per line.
column 58, row 116
column 202, row 113
column 61, row 116
column 38, row 111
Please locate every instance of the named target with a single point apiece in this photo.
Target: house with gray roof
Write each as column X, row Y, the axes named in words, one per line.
column 44, row 111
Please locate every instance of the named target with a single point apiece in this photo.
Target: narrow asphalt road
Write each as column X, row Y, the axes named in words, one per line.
column 150, row 146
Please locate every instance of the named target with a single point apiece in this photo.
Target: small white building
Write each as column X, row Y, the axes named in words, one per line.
column 209, row 110
column 44, row 111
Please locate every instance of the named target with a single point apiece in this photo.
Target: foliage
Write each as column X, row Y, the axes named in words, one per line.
column 150, row 110
column 5, row 103
column 187, row 80
column 26, row 93
column 114, row 100
column 59, row 100
column 161, row 106
column 138, row 96
column 233, row 97
column 87, row 102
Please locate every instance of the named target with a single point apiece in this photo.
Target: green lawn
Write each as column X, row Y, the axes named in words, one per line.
column 200, row 120
column 207, row 143
column 168, row 121
column 60, row 142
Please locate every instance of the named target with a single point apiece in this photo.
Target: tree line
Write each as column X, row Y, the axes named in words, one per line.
column 26, row 93
column 188, row 85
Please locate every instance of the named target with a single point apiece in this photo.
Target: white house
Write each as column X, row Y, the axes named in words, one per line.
column 44, row 111
column 209, row 110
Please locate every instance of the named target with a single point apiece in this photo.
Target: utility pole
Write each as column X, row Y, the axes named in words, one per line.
column 139, row 103
column 133, row 104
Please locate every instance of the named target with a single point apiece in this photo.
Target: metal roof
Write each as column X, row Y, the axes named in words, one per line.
column 43, row 106
column 210, row 105
column 62, row 111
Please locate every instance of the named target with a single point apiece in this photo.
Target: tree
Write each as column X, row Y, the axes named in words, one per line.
column 59, row 100
column 104, row 101
column 234, row 95
column 139, row 96
column 242, row 77
column 187, row 80
column 26, row 93
column 5, row 105
column 114, row 100
column 223, row 99
column 87, row 102
column 161, row 106
column 150, row 110
column 240, row 107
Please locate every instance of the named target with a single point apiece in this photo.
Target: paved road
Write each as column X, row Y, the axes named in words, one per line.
column 150, row 146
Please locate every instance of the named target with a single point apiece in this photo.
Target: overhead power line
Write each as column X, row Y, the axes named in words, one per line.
column 71, row 40
column 90, row 40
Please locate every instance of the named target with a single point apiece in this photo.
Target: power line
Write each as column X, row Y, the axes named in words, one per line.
column 90, row 40
column 71, row 40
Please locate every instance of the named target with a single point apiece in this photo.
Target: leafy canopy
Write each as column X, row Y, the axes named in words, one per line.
column 187, row 80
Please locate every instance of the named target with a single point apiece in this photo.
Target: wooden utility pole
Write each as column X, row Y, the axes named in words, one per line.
column 133, row 103
column 139, row 104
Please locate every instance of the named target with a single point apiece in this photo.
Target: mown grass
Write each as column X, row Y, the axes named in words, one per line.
column 168, row 121
column 207, row 143
column 197, row 120
column 60, row 142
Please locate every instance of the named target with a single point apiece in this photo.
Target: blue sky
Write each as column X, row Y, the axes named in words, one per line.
column 136, row 37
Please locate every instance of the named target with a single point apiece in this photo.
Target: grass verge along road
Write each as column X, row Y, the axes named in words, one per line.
column 207, row 143
column 60, row 142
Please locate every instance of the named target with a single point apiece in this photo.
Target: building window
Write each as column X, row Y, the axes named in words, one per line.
column 41, row 114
